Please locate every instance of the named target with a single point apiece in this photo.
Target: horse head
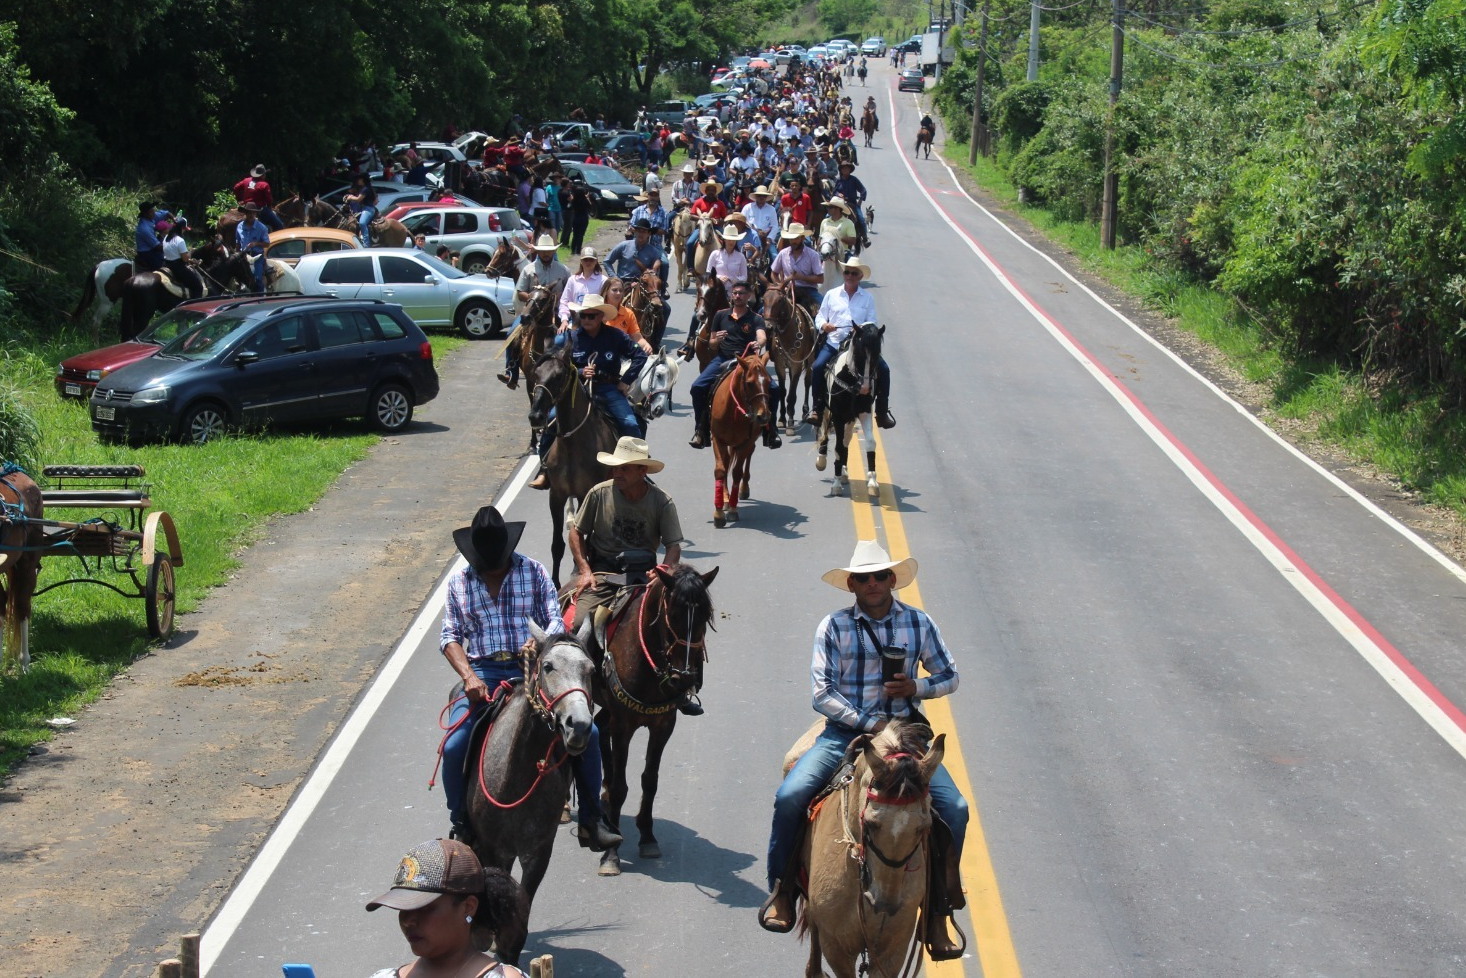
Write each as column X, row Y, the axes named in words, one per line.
column 865, row 343
column 753, row 377
column 539, row 310
column 893, row 777
column 712, row 297
column 829, row 248
column 551, row 381
column 558, row 679
column 687, row 612
column 655, row 384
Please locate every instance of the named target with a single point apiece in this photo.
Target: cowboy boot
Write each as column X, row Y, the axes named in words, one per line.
column 598, row 836
column 777, row 913
column 509, row 380
column 939, row 945
column 771, row 436
column 702, row 436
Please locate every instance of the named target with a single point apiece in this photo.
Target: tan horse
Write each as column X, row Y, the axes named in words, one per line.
column 867, row 856
column 20, row 564
column 792, row 344
column 707, row 243
column 924, row 138
column 739, row 412
column 682, row 225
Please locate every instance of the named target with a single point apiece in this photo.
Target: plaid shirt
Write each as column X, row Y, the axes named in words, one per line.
column 483, row 626
column 847, row 669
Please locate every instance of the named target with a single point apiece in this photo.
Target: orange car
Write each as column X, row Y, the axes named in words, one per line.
column 292, row 243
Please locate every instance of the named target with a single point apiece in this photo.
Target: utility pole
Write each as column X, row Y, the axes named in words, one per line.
column 982, row 60
column 941, row 36
column 1112, row 179
column 1033, row 41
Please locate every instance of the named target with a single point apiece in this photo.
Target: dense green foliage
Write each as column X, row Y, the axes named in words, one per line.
column 1305, row 159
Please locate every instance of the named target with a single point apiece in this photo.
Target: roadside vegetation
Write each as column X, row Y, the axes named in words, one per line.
column 1291, row 183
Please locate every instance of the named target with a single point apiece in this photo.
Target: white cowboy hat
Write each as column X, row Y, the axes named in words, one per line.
column 855, row 263
column 593, row 301
column 258, row 171
column 589, row 252
column 868, row 559
column 838, row 202
column 545, row 243
column 630, row 451
column 729, row 230
column 762, row 190
column 794, row 232
column 689, row 168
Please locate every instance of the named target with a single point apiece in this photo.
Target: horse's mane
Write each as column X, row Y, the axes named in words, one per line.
column 901, row 745
column 688, row 589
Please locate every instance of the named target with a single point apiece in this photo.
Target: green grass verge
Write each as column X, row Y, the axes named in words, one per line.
column 1413, row 436
column 220, row 495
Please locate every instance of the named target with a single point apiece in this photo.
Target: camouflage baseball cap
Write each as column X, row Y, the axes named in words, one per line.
column 430, row 870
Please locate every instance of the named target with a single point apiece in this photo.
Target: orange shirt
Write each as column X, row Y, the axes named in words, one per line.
column 625, row 321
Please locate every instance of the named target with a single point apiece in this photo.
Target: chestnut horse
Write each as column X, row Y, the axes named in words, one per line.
column 793, row 341
column 20, row 564
column 740, row 410
column 655, row 657
column 924, row 138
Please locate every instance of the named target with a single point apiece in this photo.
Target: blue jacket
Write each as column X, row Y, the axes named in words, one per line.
column 607, row 349
column 145, row 238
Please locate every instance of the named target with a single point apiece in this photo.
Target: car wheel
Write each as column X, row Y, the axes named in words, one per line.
column 203, row 423
column 476, row 264
column 391, row 408
column 597, row 208
column 478, row 320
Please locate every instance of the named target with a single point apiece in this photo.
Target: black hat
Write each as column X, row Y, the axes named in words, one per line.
column 489, row 543
column 642, row 224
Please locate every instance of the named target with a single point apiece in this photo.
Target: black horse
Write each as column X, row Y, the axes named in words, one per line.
column 850, row 379
column 146, row 294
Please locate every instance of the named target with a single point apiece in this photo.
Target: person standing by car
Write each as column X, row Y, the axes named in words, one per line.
column 255, row 188
column 363, row 203
column 539, row 205
column 556, row 209
column 149, row 250
column 253, row 238
column 580, row 208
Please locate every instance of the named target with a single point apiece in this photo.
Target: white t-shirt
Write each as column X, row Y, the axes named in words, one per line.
column 652, row 181
column 174, row 247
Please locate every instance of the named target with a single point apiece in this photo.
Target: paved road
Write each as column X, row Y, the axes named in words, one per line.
column 1197, row 714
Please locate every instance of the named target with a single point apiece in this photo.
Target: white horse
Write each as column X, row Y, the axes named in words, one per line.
column 280, row 277
column 651, row 394
column 831, row 253
column 104, row 285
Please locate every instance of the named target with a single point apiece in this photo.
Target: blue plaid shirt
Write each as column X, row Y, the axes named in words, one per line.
column 483, row 626
column 847, row 669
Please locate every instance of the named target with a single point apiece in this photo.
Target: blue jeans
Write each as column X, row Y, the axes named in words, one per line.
column 586, row 767
column 821, row 391
column 702, row 389
column 813, row 772
column 257, row 268
column 270, row 219
column 364, row 221
column 619, row 408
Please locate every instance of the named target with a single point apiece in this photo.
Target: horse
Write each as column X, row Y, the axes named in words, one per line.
column 647, row 670
column 868, row 125
column 147, row 293
column 832, row 252
column 924, row 137
column 292, row 211
column 845, row 153
column 571, row 465
column 385, row 233
column 682, row 227
column 104, row 285
column 645, row 302
column 503, row 261
column 20, row 564
column 523, row 779
column 856, row 907
column 793, row 341
column 651, row 393
column 712, row 298
column 707, row 243
column 535, row 333
column 739, row 413
column 850, row 381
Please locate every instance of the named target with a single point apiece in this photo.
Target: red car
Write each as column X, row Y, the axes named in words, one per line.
column 450, row 200
column 78, row 375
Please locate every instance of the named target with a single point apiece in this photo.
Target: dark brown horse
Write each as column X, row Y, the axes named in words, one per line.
column 793, row 341
column 869, row 124
column 645, row 301
column 536, row 332
column 712, row 298
column 292, row 211
column 924, row 137
column 570, row 465
column 655, row 657
column 523, row 772
column 147, row 293
column 740, row 410
column 20, row 563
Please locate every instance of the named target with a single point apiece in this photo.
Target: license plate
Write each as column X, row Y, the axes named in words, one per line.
column 106, row 413
column 73, row 390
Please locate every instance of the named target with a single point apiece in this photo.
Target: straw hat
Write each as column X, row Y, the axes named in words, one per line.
column 762, row 190
column 794, row 232
column 689, row 168
column 838, row 202
column 717, row 187
column 869, row 558
column 856, row 264
column 630, row 451
column 594, row 302
column 258, row 171
column 545, row 243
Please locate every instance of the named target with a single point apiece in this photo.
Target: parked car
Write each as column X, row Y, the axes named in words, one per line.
column 290, row 244
column 434, row 293
column 389, row 194
column 473, row 232
column 439, row 153
column 911, row 81
column 672, row 113
column 788, row 53
column 625, row 146
column 610, row 191
column 911, row 45
column 874, row 46
column 401, row 210
column 77, row 376
column 819, row 51
column 301, row 360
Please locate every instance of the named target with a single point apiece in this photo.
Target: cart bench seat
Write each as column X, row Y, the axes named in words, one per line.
column 84, row 498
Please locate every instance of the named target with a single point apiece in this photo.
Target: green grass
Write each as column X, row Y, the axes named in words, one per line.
column 1414, row 437
column 219, row 495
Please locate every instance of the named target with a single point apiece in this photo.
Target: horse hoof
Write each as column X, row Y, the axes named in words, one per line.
column 565, row 814
column 732, row 516
column 649, row 850
column 874, row 488
column 819, row 463
column 610, row 864
column 718, row 520
column 789, row 430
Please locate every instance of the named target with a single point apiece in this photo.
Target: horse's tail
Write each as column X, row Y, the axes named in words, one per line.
column 88, row 293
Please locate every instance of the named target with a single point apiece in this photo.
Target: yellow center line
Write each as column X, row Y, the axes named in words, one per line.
column 990, row 933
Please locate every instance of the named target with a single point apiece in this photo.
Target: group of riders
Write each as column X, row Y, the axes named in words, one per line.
column 790, row 140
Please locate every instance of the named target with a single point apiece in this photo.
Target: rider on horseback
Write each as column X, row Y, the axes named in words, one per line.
column 858, row 694
column 545, row 271
column 733, row 329
column 843, row 307
column 838, row 226
column 485, row 631
column 801, row 265
column 363, row 203
column 850, row 187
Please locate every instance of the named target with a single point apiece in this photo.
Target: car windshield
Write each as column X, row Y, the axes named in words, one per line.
column 204, row 339
column 166, row 328
column 441, row 267
column 601, row 176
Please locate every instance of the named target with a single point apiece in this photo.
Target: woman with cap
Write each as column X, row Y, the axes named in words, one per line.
column 444, row 896
column 490, row 601
column 857, row 692
column 587, row 279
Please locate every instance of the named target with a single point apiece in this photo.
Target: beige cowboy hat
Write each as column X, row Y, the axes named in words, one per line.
column 545, row 243
column 869, row 558
column 794, row 232
column 762, row 190
column 717, row 187
column 630, row 451
column 258, row 171
column 491, row 141
column 689, row 168
column 594, row 302
column 738, row 218
column 856, row 264
column 838, row 202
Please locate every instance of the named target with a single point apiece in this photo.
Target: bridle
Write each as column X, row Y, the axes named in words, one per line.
column 735, row 381
column 667, row 676
column 572, row 383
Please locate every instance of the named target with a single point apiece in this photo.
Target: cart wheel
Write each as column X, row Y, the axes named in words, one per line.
column 158, row 596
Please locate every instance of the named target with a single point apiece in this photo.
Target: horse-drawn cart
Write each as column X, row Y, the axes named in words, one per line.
column 135, row 539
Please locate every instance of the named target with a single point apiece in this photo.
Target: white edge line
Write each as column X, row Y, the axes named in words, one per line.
column 1347, row 629
column 1424, row 545
column 263, row 866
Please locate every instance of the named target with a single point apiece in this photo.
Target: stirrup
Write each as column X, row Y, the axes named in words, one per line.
column 770, row 923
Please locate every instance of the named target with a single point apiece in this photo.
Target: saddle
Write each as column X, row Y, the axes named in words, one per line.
column 165, row 279
column 498, row 697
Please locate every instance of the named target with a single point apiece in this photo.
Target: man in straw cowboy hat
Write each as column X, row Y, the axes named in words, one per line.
column 618, row 530
column 546, row 271
column 858, row 693
column 708, row 205
column 844, row 306
column 763, row 217
column 491, row 600
column 837, row 225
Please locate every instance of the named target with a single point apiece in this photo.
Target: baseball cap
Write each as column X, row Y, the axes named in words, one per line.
column 428, row 871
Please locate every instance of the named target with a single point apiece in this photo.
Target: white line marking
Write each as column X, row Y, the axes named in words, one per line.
column 1355, row 631
column 253, row 882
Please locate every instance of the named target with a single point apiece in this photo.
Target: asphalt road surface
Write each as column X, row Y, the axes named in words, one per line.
column 1206, row 714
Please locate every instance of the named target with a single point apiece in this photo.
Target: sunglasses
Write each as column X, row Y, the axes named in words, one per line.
column 880, row 577
column 850, row 271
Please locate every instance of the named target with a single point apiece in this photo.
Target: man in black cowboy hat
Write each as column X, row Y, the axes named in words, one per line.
column 485, row 630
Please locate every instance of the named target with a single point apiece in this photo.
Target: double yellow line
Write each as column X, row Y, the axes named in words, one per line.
column 990, row 934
